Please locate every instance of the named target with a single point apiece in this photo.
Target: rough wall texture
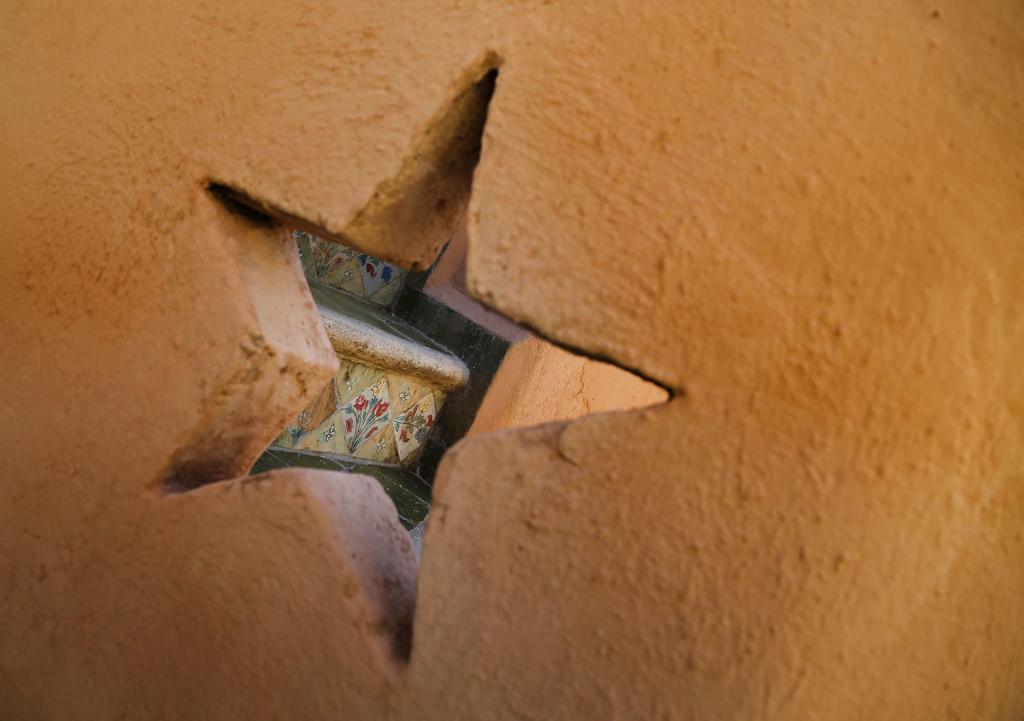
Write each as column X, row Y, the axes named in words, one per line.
column 536, row 381
column 823, row 204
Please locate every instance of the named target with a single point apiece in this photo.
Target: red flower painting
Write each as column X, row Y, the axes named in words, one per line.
column 412, row 426
column 363, row 417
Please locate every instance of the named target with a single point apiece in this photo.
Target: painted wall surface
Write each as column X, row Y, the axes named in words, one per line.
column 357, row 274
column 805, row 219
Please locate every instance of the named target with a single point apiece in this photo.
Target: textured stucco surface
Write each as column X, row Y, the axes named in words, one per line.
column 539, row 383
column 821, row 207
column 536, row 382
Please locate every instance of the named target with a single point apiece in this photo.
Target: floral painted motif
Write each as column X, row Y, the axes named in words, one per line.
column 413, row 426
column 335, row 265
column 329, row 255
column 365, row 414
column 376, row 273
column 374, row 267
column 367, row 424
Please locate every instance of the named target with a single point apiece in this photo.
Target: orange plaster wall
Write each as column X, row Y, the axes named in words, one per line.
column 537, row 381
column 823, row 202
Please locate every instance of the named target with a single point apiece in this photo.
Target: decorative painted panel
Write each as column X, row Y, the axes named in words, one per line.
column 347, row 270
column 413, row 426
column 368, row 413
